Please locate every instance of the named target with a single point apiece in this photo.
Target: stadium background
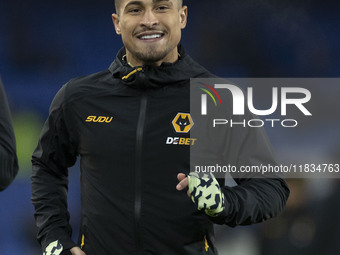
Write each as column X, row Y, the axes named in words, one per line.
column 45, row 43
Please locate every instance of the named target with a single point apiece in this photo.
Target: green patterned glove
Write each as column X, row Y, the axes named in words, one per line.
column 54, row 248
column 206, row 193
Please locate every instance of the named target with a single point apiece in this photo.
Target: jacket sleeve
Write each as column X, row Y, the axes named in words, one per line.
column 253, row 201
column 257, row 196
column 8, row 156
column 56, row 151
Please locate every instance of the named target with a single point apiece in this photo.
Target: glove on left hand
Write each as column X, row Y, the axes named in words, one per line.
column 206, row 193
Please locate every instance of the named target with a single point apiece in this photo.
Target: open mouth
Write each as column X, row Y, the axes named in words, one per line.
column 150, row 36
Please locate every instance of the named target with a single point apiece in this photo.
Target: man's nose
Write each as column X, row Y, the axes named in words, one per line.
column 149, row 19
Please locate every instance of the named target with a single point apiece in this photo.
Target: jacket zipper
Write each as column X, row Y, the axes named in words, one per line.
column 138, row 169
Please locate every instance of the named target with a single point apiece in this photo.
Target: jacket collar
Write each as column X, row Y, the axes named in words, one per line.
column 155, row 77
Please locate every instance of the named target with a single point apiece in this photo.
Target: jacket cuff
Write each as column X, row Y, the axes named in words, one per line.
column 58, row 235
column 225, row 217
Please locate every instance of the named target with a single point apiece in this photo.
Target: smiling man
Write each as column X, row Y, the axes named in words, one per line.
column 134, row 183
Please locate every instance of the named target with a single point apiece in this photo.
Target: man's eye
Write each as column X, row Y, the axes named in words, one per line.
column 135, row 10
column 162, row 8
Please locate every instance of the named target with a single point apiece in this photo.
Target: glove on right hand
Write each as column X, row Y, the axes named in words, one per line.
column 56, row 248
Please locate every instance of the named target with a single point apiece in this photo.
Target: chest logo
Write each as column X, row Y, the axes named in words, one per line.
column 99, row 119
column 182, row 123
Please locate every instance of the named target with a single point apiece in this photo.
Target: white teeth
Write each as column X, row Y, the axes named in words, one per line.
column 147, row 37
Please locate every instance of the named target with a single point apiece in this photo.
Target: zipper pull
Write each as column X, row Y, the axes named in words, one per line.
column 138, row 69
column 206, row 245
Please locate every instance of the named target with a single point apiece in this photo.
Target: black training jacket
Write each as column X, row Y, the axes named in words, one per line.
column 8, row 156
column 117, row 121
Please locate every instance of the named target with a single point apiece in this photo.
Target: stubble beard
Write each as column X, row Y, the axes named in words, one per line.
column 150, row 56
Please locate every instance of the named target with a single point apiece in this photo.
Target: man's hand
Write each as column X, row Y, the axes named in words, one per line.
column 204, row 191
column 183, row 182
column 77, row 251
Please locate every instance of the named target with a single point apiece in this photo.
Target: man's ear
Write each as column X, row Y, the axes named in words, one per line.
column 184, row 16
column 115, row 20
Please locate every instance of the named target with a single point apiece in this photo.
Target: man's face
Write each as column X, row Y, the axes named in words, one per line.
column 150, row 30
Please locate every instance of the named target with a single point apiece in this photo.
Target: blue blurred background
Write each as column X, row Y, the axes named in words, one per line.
column 43, row 44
